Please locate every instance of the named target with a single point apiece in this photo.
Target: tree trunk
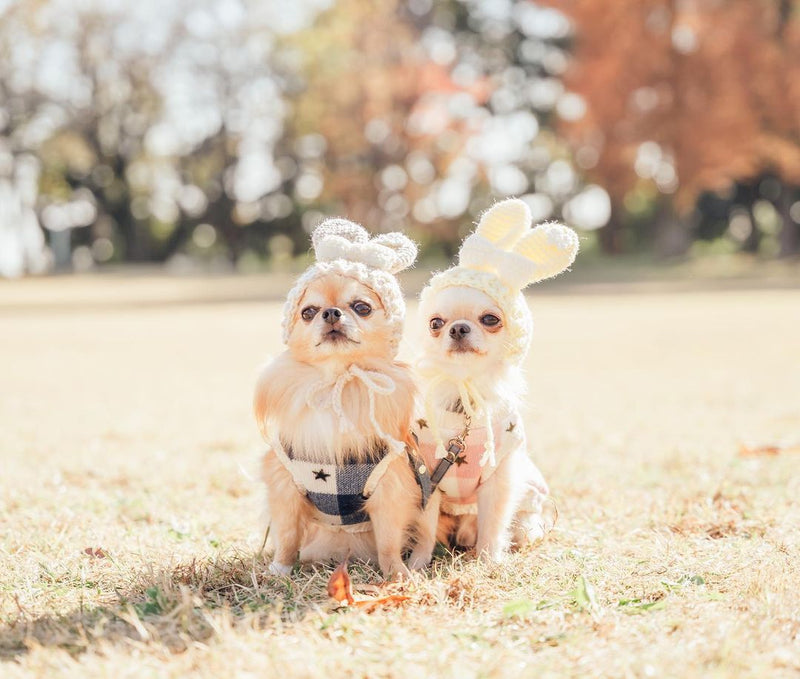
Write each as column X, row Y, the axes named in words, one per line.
column 790, row 229
column 610, row 236
column 671, row 232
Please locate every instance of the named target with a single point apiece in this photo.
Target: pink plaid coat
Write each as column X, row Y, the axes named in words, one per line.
column 461, row 482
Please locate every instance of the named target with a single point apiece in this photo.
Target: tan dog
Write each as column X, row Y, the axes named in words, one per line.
column 336, row 408
column 478, row 332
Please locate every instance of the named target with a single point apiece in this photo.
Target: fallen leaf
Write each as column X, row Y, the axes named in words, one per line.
column 391, row 601
column 96, row 552
column 636, row 606
column 339, row 586
column 765, row 451
column 583, row 594
column 520, row 608
column 340, row 589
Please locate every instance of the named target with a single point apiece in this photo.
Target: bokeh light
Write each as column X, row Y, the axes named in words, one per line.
column 125, row 127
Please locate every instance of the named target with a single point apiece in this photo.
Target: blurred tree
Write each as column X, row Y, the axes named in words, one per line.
column 685, row 96
column 225, row 129
column 189, row 128
column 421, row 112
column 154, row 126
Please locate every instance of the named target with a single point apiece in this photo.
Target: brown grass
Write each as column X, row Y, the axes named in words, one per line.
column 129, row 509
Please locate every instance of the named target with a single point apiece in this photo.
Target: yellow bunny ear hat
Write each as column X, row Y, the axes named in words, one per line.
column 502, row 257
column 345, row 248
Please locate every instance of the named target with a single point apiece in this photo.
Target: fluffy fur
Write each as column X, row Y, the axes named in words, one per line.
column 286, row 410
column 512, row 501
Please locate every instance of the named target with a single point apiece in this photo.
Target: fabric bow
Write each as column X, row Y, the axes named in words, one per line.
column 375, row 383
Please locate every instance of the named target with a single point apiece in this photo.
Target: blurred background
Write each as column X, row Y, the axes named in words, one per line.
column 214, row 135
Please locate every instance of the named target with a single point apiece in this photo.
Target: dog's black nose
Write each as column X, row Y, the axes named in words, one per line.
column 458, row 330
column 331, row 315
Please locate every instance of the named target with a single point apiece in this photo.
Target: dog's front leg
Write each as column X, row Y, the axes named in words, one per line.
column 391, row 510
column 287, row 513
column 426, row 534
column 496, row 504
column 536, row 513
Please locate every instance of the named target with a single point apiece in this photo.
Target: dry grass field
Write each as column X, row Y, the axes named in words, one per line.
column 667, row 423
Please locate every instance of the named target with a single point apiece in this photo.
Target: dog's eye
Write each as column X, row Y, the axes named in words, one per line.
column 361, row 308
column 489, row 320
column 436, row 323
column 309, row 312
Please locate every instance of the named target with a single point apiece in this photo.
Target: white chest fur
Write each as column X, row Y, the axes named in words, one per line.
column 331, row 418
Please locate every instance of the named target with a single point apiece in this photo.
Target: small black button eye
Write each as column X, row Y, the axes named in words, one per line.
column 309, row 312
column 436, row 323
column 362, row 308
column 489, row 320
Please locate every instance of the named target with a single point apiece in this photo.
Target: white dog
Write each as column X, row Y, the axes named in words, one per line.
column 471, row 433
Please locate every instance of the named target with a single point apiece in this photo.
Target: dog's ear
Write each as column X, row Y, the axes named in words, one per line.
column 504, row 223
column 549, row 248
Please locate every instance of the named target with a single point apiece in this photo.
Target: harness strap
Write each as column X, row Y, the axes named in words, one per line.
column 418, row 467
column 376, row 475
column 454, row 449
column 421, row 475
column 473, row 402
column 286, row 461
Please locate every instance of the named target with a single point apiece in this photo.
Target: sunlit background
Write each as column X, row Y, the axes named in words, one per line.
column 214, row 135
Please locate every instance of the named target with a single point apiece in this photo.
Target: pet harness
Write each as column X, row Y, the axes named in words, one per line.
column 339, row 491
column 468, row 468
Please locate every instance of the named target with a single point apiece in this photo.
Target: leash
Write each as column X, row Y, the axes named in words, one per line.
column 455, row 446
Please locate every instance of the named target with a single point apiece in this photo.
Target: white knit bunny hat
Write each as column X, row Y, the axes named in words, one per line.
column 502, row 257
column 345, row 248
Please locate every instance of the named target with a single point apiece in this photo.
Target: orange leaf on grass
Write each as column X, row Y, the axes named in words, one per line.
column 392, row 601
column 339, row 586
column 340, row 589
column 765, row 451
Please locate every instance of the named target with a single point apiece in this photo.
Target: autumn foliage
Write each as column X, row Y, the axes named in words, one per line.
column 685, row 97
column 222, row 134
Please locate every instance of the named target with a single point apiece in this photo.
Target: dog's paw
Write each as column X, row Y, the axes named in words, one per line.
column 467, row 533
column 281, row 569
column 529, row 531
column 419, row 561
column 490, row 553
column 528, row 535
column 395, row 572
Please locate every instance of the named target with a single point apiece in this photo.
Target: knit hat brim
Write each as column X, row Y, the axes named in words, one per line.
column 517, row 316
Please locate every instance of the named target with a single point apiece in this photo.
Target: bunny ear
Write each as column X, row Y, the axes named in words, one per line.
column 340, row 228
column 499, row 229
column 504, row 223
column 401, row 251
column 549, row 248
